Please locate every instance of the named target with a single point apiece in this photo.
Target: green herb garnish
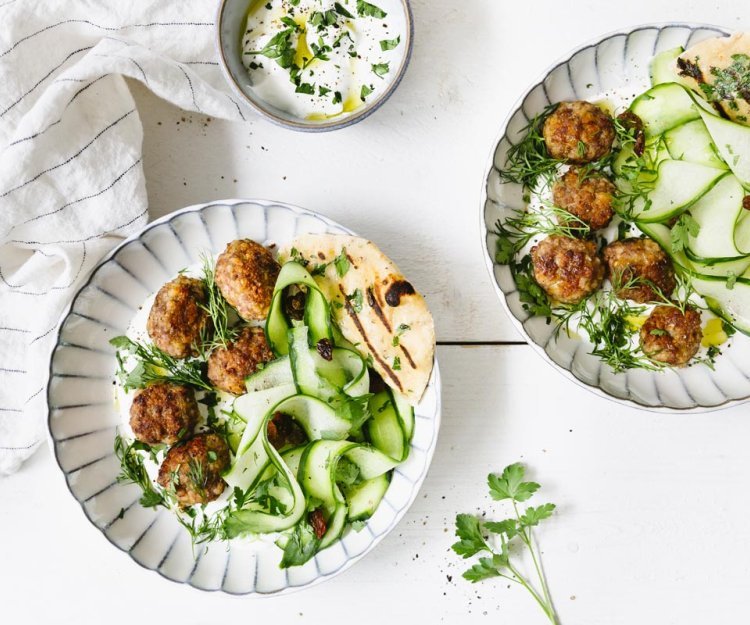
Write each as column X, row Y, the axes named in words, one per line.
column 389, row 44
column 496, row 538
column 365, row 9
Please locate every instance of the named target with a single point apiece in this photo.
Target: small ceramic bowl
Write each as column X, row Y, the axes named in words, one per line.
column 230, row 22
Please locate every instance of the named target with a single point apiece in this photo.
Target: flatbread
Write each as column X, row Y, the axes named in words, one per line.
column 701, row 64
column 374, row 306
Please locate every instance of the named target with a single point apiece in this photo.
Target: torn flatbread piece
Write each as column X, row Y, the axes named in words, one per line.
column 719, row 69
column 376, row 308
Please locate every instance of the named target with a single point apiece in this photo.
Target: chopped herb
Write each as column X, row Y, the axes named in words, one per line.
column 341, row 10
column 389, row 44
column 366, row 90
column 396, row 363
column 685, row 228
column 342, row 264
column 365, row 9
column 380, row 69
column 355, row 300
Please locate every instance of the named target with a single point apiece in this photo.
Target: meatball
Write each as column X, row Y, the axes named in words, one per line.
column 567, row 269
column 246, row 273
column 589, row 198
column 671, row 336
column 640, row 270
column 191, row 471
column 163, row 413
column 177, row 319
column 229, row 366
column 578, row 132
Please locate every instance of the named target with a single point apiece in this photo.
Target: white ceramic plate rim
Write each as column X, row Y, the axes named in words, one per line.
column 429, row 453
column 483, row 231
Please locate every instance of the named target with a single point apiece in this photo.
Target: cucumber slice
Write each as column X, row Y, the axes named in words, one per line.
column 336, row 524
column 317, row 471
column 316, row 417
column 306, row 377
column 732, row 140
column 742, row 233
column 292, row 457
column 405, row 413
column 317, row 309
column 384, row 427
column 717, row 213
column 732, row 305
column 371, row 461
column 664, row 107
column 663, row 67
column 679, row 184
column 274, row 373
column 364, row 498
column 692, row 142
column 258, row 403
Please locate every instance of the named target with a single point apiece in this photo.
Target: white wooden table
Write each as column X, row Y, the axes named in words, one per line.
column 651, row 525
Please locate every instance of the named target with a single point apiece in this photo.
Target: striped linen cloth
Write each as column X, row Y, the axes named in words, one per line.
column 71, row 177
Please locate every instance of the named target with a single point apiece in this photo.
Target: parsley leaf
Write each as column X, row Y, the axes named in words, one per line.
column 365, row 9
column 299, row 546
column 510, row 484
column 389, row 44
column 685, row 228
column 380, row 69
column 342, row 264
column 366, row 90
column 470, row 534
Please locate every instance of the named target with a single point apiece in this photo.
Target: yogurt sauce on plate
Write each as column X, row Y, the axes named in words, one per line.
column 320, row 59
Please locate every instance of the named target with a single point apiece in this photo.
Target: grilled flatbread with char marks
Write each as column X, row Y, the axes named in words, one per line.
column 375, row 307
column 719, row 68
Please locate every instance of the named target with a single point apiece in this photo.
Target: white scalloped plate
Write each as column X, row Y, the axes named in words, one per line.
column 83, row 417
column 616, row 61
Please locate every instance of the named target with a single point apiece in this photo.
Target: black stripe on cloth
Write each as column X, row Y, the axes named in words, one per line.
column 239, row 110
column 45, row 77
column 198, row 62
column 20, row 448
column 4, row 370
column 87, row 197
column 52, row 288
column 10, row 410
column 33, row 396
column 71, row 158
column 75, row 95
column 100, row 27
column 88, row 238
column 41, row 336
column 192, row 91
column 15, row 330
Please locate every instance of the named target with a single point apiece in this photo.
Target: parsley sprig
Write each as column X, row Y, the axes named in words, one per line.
column 495, row 538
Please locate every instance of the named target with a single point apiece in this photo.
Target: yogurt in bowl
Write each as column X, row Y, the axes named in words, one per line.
column 314, row 64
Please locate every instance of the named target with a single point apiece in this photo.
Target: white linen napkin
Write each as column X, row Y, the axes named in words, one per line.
column 71, row 178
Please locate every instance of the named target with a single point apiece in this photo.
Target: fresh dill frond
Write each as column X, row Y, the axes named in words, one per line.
column 155, row 365
column 132, row 470
column 220, row 332
column 514, row 233
column 528, row 160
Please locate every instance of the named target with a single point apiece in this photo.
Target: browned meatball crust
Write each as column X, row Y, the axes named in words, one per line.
column 587, row 197
column 567, row 269
column 578, row 132
column 228, row 367
column 671, row 337
column 643, row 264
column 192, row 470
column 163, row 413
column 176, row 319
column 246, row 273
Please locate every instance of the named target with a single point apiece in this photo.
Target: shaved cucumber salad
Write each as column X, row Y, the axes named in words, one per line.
column 693, row 197
column 313, row 441
column 663, row 165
